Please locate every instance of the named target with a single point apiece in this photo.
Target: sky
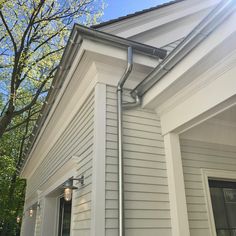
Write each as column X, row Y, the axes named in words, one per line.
column 117, row 8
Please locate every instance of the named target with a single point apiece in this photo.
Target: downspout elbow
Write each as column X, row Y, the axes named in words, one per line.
column 137, row 102
column 128, row 70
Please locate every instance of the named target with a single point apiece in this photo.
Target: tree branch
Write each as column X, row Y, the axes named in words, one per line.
column 9, row 32
column 20, row 124
column 33, row 101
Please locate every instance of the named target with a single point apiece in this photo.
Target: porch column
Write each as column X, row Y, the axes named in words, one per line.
column 178, row 206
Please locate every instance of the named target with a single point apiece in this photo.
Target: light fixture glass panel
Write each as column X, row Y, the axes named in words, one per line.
column 67, row 194
column 18, row 219
column 31, row 212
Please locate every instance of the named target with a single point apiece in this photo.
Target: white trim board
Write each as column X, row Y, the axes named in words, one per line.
column 99, row 163
column 177, row 195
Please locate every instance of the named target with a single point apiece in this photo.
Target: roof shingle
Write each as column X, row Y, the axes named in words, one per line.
column 135, row 14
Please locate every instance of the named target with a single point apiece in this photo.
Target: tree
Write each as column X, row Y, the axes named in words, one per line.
column 33, row 34
column 11, row 186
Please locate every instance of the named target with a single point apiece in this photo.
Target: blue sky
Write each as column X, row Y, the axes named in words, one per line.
column 117, row 8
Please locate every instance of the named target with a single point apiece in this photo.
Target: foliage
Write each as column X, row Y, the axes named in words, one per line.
column 11, row 186
column 33, row 34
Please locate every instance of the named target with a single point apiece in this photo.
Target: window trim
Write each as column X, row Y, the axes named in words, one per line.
column 222, row 175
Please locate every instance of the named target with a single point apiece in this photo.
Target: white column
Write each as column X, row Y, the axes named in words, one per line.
column 98, row 173
column 178, row 206
column 50, row 215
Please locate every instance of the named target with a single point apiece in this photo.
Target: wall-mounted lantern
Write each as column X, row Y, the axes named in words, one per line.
column 32, row 209
column 68, row 187
column 31, row 212
column 18, row 219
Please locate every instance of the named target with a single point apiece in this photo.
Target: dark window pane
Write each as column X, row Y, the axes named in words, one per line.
column 231, row 214
column 233, row 232
column 222, row 184
column 230, row 195
column 223, row 232
column 223, row 197
column 217, row 199
column 64, row 218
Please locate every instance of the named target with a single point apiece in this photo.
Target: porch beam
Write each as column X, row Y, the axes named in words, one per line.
column 215, row 97
column 177, row 196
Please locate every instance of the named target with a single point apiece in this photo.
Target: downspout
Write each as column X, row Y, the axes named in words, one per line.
column 120, row 86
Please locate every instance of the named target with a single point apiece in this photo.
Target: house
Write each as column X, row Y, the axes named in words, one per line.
column 161, row 163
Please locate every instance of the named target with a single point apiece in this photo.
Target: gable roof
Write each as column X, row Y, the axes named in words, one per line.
column 97, row 26
column 78, row 34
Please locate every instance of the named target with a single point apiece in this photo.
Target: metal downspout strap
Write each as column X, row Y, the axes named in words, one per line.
column 120, row 139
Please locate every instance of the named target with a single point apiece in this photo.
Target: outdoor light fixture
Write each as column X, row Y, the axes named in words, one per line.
column 18, row 219
column 68, row 187
column 38, row 206
column 31, row 212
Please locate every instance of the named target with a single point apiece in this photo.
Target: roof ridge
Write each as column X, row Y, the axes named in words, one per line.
column 105, row 23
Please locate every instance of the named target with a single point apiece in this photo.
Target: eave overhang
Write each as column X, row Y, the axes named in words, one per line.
column 78, row 35
column 185, row 97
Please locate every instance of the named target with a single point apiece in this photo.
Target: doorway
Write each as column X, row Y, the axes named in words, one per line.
column 64, row 218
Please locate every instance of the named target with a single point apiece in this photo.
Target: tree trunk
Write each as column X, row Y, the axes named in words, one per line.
column 5, row 121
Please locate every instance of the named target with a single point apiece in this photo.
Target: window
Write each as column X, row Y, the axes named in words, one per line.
column 223, row 198
column 64, row 218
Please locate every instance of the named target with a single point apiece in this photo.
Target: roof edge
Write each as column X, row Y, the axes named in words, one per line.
column 138, row 13
column 120, row 42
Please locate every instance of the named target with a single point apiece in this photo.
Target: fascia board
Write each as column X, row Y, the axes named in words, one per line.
column 117, row 53
column 110, row 62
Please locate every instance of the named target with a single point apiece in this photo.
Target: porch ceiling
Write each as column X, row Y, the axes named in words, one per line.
column 227, row 117
column 220, row 129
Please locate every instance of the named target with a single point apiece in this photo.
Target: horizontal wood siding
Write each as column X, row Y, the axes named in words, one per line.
column 195, row 156
column 77, row 140
column 146, row 191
